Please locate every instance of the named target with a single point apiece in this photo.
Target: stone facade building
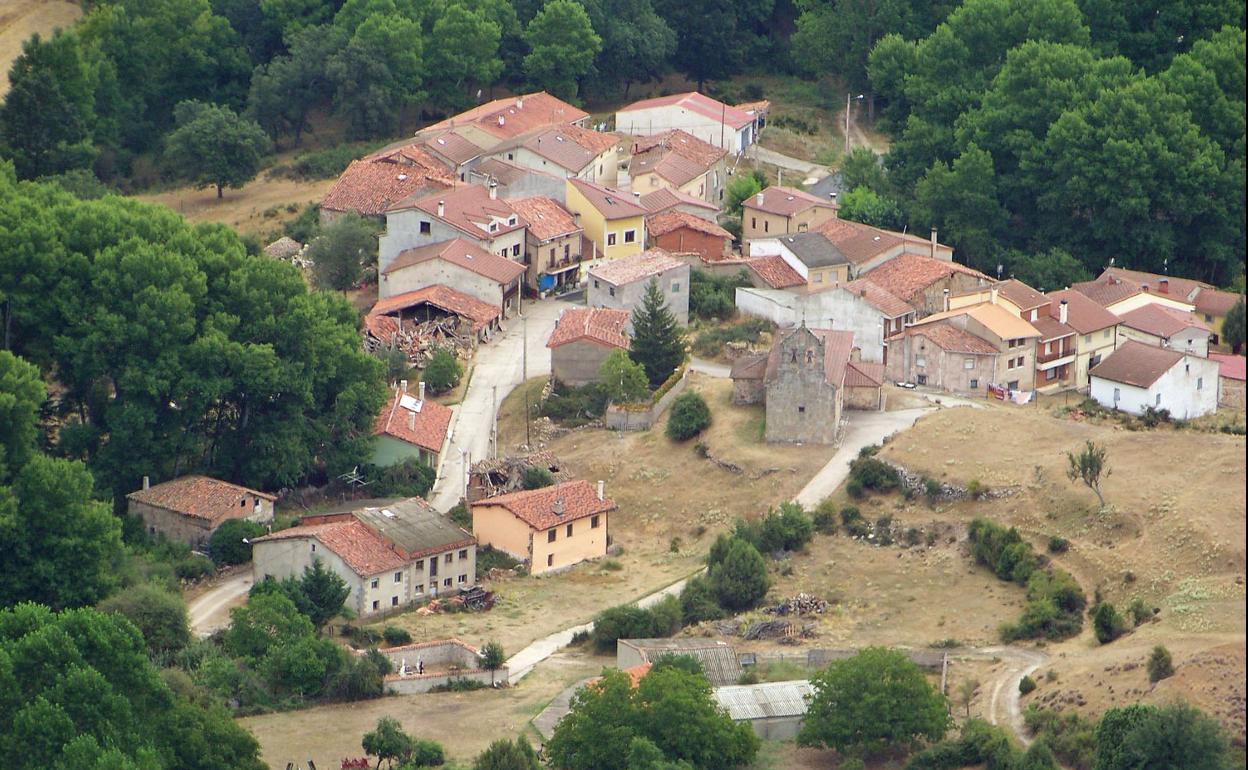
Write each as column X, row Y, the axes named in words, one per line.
column 805, row 385
column 621, row 283
column 582, row 339
column 189, row 508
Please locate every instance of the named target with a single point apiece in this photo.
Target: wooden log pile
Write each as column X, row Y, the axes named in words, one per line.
column 802, row 604
column 419, row 339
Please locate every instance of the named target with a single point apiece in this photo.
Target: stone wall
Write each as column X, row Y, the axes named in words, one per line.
column 802, row 406
column 621, row 418
column 748, row 391
column 1230, row 393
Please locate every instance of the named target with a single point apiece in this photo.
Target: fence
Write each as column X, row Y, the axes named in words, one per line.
column 625, row 418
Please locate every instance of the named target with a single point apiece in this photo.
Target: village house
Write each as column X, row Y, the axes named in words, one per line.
column 680, row 161
column 923, row 282
column 500, row 120
column 664, row 200
column 392, row 317
column 1096, row 332
column 1230, row 380
column 1013, row 338
column 371, row 185
column 943, row 356
column 614, row 221
column 1119, row 296
column 780, row 211
column 1208, row 302
column 392, row 554
column 1164, row 327
column 582, row 339
column 1138, row 376
column 729, row 128
column 452, row 150
column 515, row 181
column 565, row 151
column 461, row 265
column 1013, row 295
column 549, row 529
column 411, row 428
column 773, row 273
column 811, row 255
column 682, row 233
column 1055, row 349
column 468, row 212
column 553, row 241
column 188, row 509
column 867, row 247
column 620, row 284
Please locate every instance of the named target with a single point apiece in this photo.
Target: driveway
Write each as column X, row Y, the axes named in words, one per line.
column 210, row 611
column 497, row 369
column 865, row 429
column 787, row 162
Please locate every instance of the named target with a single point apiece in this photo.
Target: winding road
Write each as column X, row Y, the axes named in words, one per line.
column 210, row 611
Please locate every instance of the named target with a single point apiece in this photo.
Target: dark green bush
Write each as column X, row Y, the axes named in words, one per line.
column 874, row 475
column 536, row 477
column 307, row 225
column 854, row 489
column 1058, row 544
column 1138, row 611
column 322, row 164
column 193, row 567
column 443, row 371
column 715, row 297
column 395, row 636
column 226, row 544
column 690, row 416
column 459, row 684
column 1160, row 666
column 1107, row 623
column 824, row 519
column 786, row 529
column 1026, row 685
column 573, row 407
column 489, row 557
column 711, row 342
column 698, row 601
column 409, row 478
column 628, row 621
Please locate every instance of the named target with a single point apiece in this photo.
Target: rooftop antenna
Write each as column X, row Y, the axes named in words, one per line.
column 354, row 479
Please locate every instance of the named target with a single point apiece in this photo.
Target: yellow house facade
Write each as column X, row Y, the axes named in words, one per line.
column 549, row 529
column 613, row 221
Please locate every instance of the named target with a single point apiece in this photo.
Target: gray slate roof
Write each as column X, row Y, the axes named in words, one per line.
column 814, row 249
column 412, row 524
column 760, row 701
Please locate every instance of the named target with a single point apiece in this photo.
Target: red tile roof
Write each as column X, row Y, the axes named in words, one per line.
column 1135, row 363
column 837, row 347
column 864, row 374
column 201, row 497
column 537, row 507
column 858, row 242
column 1159, row 320
column 879, row 298
column 775, row 272
column 698, row 103
column 670, row 221
column 1022, row 295
column 506, row 172
column 995, row 318
column 358, row 546
column 462, row 253
column 383, row 327
column 1083, row 315
column 512, row 116
column 546, row 217
column 469, row 208
column 946, row 336
column 444, row 297
column 1215, row 302
column 636, row 267
column 1051, row 329
column 665, row 199
column 908, row 275
column 1230, row 367
column 569, row 147
column 681, row 143
column 1109, row 291
column 407, row 418
column 611, row 203
column 372, row 185
column 1185, row 289
column 450, row 145
column 785, row 201
column 595, row 324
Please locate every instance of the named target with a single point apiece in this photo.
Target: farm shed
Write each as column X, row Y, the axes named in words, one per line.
column 773, row 709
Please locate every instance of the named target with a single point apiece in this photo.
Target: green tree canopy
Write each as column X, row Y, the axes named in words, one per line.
column 443, row 371
column 1167, row 738
column 1046, row 271
column 740, row 578
column 562, row 46
column 862, row 204
column 325, row 592
column 466, row 56
column 1233, row 326
column 227, row 546
column 873, row 701
column 158, row 614
column 657, row 342
column 378, row 74
column 503, row 754
column 689, row 416
column 212, row 146
column 22, row 393
column 341, row 250
column 624, row 379
column 268, row 621
column 388, row 742
column 637, row 44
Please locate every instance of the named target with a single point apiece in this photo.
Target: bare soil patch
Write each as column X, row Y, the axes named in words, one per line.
column 19, row 19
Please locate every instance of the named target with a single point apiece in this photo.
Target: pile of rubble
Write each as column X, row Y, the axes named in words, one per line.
column 802, row 604
column 417, row 339
column 497, row 476
column 782, row 630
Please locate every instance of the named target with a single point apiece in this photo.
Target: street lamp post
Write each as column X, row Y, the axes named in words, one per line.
column 847, row 102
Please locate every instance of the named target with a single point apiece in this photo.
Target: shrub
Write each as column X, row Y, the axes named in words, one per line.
column 884, row 530
column 305, row 227
column 322, row 164
column 158, row 614
column 913, row 536
column 395, row 636
column 690, row 416
column 628, row 621
column 1058, row 544
column 711, row 342
column 410, row 478
column 1152, row 417
column 975, row 489
column 226, row 544
column 612, row 565
column 1138, row 611
column 931, row 489
column 1026, row 685
column 740, row 579
column 443, row 371
column 193, row 567
column 698, row 601
column 459, row 684
column 874, row 475
column 854, row 489
column 363, row 637
column 786, row 529
column 573, row 407
column 673, row 545
column 429, row 753
column 537, row 477
column 850, row 514
column 1159, row 665
column 824, row 519
column 1107, row 623
column 1071, row 737
column 461, row 515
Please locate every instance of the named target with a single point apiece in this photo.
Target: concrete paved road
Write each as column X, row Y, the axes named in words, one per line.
column 865, row 428
column 497, row 370
column 709, row 368
column 802, row 169
column 210, row 611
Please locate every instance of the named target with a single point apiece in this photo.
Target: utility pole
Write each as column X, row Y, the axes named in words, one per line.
column 463, row 458
column 494, row 418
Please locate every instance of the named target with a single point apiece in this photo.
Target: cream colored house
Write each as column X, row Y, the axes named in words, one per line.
column 1097, row 332
column 1013, row 338
column 550, row 528
column 677, row 160
column 780, row 211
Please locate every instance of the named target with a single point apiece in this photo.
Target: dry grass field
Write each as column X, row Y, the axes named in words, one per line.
column 258, row 207
column 19, row 19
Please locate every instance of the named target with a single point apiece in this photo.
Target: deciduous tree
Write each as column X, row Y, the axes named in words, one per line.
column 503, row 754
column 1089, row 467
column 388, row 742
column 562, row 46
column 22, row 393
column 466, row 56
column 624, row 379
column 324, row 590
column 341, row 251
column 213, row 147
column 158, row 614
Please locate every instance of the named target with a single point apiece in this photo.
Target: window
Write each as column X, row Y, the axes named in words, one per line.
column 398, row 577
column 503, row 252
column 1208, row 318
column 968, row 363
column 974, row 384
column 447, row 583
column 463, row 554
column 675, row 287
column 314, row 548
column 818, row 277
column 515, row 250
column 420, row 564
column 569, row 533
column 801, row 410
column 1157, row 401
column 567, row 251
column 511, row 220
column 376, row 605
column 801, row 228
column 593, row 522
column 1009, row 343
column 551, row 534
column 511, row 156
column 611, row 290
column 654, row 181
column 1051, row 374
column 420, row 589
column 596, row 285
column 1012, row 385
column 493, row 227
column 550, row 560
column 394, row 601
column 1048, row 348
column 1200, row 384
column 920, row 360
column 630, row 236
column 373, row 583
column 448, row 558
column 461, row 579
column 242, row 503
column 766, row 226
column 753, row 223
column 921, row 379
column 1087, row 339
column 1117, row 395
column 426, row 228
column 1105, row 335
column 610, row 239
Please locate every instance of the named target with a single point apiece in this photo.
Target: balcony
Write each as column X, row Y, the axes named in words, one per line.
column 1054, row 360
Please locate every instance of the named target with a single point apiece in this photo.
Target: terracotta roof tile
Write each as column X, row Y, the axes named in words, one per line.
column 450, row 145
column 681, row 143
column 407, row 418
column 665, row 199
column 837, row 347
column 864, row 374
column 546, row 217
column 908, row 275
column 697, row 103
column 878, row 297
column 1108, row 292
column 1083, row 315
column 569, row 147
column 775, row 272
column 1183, row 289
column 596, row 324
column 201, row 497
column 1160, row 320
column 1051, row 329
column 444, row 297
column 670, row 221
column 1215, row 302
column 946, row 336
column 385, row 328
column 469, row 208
column 507, row 173
column 636, row 267
column 372, row 185
column 1022, row 295
column 995, row 318
column 357, row 545
column 785, row 201
column 611, row 203
column 857, row 241
column 461, row 253
column 1230, row 367
column 1135, row 363
column 537, row 507
column 512, row 116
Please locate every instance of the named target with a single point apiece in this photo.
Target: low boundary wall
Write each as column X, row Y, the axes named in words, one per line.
column 624, row 418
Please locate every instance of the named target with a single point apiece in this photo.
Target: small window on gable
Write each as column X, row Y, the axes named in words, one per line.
column 314, row 548
column 611, row 290
column 968, row 363
column 593, row 522
column 426, row 228
column 1157, row 401
column 511, row 221
column 801, row 410
column 551, row 534
column 373, row 583
column 569, row 533
column 630, row 236
column 675, row 287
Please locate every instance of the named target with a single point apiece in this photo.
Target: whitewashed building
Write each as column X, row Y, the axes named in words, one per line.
column 1137, row 376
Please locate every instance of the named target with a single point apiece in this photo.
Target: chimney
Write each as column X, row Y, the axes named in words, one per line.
column 946, row 299
column 501, row 120
column 758, row 199
column 602, row 487
column 147, row 482
column 411, row 420
column 576, row 218
column 493, row 191
column 933, row 243
column 1063, row 311
column 422, row 390
column 992, row 295
column 403, row 385
column 1163, row 285
column 441, row 209
column 520, row 102
column 558, row 506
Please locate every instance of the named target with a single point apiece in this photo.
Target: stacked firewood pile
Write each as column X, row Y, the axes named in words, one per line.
column 802, row 604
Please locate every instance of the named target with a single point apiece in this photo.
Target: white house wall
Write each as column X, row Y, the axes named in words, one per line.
column 823, row 310
column 1177, row 389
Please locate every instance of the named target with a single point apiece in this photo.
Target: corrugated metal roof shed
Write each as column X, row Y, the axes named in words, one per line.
column 719, row 660
column 763, row 701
